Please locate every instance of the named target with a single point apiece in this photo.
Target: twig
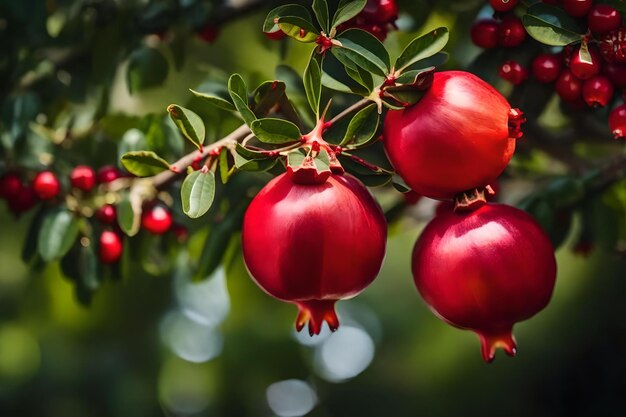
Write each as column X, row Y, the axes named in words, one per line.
column 361, row 104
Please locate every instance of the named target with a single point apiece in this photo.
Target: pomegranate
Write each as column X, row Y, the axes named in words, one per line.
column 582, row 69
column 459, row 136
column 46, row 185
column 377, row 18
column 503, row 5
column 485, row 270
column 617, row 122
column 314, row 244
column 513, row 72
column 511, row 32
column 107, row 214
column 83, row 177
column 597, row 91
column 111, row 247
column 603, row 18
column 484, row 33
column 568, row 87
column 547, row 67
column 577, row 8
column 613, row 45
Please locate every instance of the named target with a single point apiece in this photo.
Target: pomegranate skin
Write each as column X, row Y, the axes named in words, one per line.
column 484, row 271
column 454, row 139
column 312, row 245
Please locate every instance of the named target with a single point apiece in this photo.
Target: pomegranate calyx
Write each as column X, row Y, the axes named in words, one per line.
column 472, row 199
column 490, row 341
column 315, row 313
column 324, row 43
column 516, row 118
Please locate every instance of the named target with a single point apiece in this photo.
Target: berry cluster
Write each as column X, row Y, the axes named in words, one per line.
column 584, row 75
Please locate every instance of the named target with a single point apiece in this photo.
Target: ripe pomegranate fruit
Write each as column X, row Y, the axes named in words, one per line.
column 511, row 32
column 585, row 70
column 46, row 185
column 503, row 5
column 597, row 91
column 110, row 248
column 485, row 270
column 462, row 118
column 603, row 18
column 83, row 177
column 568, row 87
column 577, row 8
column 613, row 45
column 314, row 244
column 107, row 214
column 513, row 72
column 10, row 185
column 156, row 219
column 617, row 122
column 484, row 33
column 547, row 67
column 107, row 174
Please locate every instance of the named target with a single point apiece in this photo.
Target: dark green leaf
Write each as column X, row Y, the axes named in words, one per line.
column 127, row 217
column 364, row 49
column 275, row 131
column 313, row 82
column 197, row 193
column 346, row 10
column 282, row 11
column 147, row 67
column 239, row 94
column 224, row 168
column 423, row 47
column 221, row 102
column 362, row 127
column 267, row 95
column 58, row 233
column 320, row 8
column 29, row 248
column 189, row 124
column 551, row 25
column 298, row 29
column 144, row 163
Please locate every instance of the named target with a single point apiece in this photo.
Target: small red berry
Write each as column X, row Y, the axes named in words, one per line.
column 380, row 11
column 209, row 33
column 568, row 87
column 276, row 35
column 156, row 219
column 577, row 8
column 597, row 91
column 613, row 46
column 107, row 214
column 83, row 177
column 511, row 32
column 503, row 5
column 107, row 174
column 10, row 185
column 513, row 72
column 547, row 67
column 111, row 247
column 583, row 69
column 46, row 185
column 617, row 122
column 603, row 18
column 24, row 200
column 616, row 73
column 484, row 33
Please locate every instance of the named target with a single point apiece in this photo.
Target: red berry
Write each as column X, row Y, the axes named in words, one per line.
column 616, row 73
column 107, row 174
column 511, row 32
column 83, row 177
column 10, row 185
column 568, row 87
column 156, row 219
column 209, row 33
column 603, row 18
column 583, row 69
column 485, row 33
column 46, row 185
column 617, row 122
column 547, row 67
column 613, row 46
column 462, row 117
column 23, row 201
column 110, row 248
column 597, row 91
column 485, row 271
column 276, row 35
column 503, row 5
column 380, row 11
column 577, row 8
column 107, row 214
column 513, row 72
column 327, row 243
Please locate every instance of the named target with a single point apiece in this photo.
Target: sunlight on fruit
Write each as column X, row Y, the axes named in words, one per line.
column 291, row 398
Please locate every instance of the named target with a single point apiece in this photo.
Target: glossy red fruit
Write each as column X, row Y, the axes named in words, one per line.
column 110, row 247
column 603, row 18
column 276, row 35
column 513, row 72
column 10, row 185
column 312, row 245
column 568, row 87
column 547, row 67
column 577, row 8
column 597, row 91
column 380, row 11
column 485, row 271
column 83, row 177
column 585, row 69
column 511, row 32
column 46, row 185
column 156, row 219
column 613, row 46
column 107, row 174
column 462, row 118
column 616, row 73
column 484, row 33
column 25, row 200
column 107, row 214
column 209, row 33
column 617, row 122
column 503, row 5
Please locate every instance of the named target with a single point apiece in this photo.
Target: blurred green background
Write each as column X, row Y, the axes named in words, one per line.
column 164, row 346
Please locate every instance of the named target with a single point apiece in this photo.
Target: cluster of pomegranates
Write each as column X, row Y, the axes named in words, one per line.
column 585, row 75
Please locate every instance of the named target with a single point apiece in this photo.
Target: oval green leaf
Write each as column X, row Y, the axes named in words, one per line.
column 58, row 233
column 189, row 124
column 144, row 163
column 551, row 25
column 197, row 193
column 275, row 131
column 364, row 49
column 423, row 47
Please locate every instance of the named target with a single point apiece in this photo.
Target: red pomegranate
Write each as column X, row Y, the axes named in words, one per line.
column 485, row 271
column 613, row 45
column 513, row 72
column 484, row 33
column 312, row 245
column 584, row 69
column 597, row 91
column 547, row 67
column 107, row 214
column 617, row 122
column 459, row 136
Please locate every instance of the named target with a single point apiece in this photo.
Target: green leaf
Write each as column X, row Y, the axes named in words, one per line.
column 362, row 127
column 239, row 93
column 250, row 160
column 127, row 217
column 346, row 10
column 189, row 124
column 550, row 25
column 364, row 50
column 144, row 163
column 275, row 131
column 58, row 233
column 322, row 161
column 320, row 8
column 147, row 67
column 313, row 82
column 282, row 11
column 29, row 248
column 267, row 95
column 298, row 29
column 423, row 47
column 362, row 77
column 197, row 193
column 225, row 170
column 215, row 100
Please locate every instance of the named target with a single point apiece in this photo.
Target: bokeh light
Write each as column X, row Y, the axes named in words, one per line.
column 291, row 398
